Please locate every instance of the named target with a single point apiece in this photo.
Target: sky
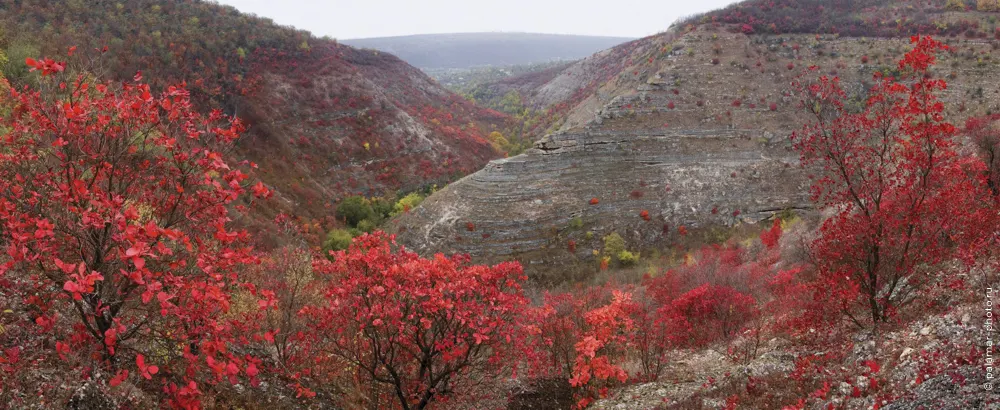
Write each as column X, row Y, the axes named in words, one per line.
column 350, row 19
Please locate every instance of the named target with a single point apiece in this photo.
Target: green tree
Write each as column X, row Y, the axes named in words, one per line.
column 407, row 203
column 354, row 209
column 337, row 240
column 614, row 244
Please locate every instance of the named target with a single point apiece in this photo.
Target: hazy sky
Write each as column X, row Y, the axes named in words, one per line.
column 346, row 19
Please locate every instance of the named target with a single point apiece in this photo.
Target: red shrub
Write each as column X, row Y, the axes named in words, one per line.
column 594, row 369
column 390, row 316
column 706, row 314
column 885, row 228
column 770, row 237
column 115, row 233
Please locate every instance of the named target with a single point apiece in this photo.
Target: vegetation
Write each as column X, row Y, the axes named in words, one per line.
column 352, row 210
column 894, row 172
column 339, row 239
column 125, row 281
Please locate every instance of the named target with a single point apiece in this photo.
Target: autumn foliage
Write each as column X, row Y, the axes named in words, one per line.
column 415, row 330
column 901, row 193
column 118, row 253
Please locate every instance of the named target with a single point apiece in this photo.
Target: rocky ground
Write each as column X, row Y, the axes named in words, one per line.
column 933, row 362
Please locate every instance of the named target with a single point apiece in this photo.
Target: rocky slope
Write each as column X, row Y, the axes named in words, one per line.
column 692, row 126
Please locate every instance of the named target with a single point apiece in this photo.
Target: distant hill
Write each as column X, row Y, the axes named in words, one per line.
column 465, row 50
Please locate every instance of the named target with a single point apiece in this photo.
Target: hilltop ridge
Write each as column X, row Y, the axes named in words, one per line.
column 467, row 50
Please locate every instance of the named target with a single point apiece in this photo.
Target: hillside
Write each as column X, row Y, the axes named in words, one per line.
column 325, row 119
column 467, row 50
column 691, row 125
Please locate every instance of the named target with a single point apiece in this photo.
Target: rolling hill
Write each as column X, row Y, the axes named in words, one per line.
column 466, row 50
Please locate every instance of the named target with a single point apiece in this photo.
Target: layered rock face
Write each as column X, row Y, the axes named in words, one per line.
column 679, row 177
column 696, row 133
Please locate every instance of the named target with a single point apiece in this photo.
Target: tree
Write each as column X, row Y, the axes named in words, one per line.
column 897, row 189
column 985, row 134
column 594, row 368
column 117, row 250
column 355, row 209
column 416, row 330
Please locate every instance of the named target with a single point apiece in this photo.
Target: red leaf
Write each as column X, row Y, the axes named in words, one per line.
column 119, row 378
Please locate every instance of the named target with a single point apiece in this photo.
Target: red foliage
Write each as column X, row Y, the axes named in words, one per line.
column 985, row 134
column 594, row 369
column 115, row 232
column 571, row 245
column 594, row 201
column 708, row 313
column 413, row 329
column 644, row 215
column 896, row 183
column 770, row 237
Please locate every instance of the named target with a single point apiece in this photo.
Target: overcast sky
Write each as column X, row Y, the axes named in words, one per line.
column 347, row 19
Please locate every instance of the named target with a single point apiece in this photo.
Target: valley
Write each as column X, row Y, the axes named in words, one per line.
column 776, row 204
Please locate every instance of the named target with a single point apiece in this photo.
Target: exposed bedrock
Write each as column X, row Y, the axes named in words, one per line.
column 526, row 206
